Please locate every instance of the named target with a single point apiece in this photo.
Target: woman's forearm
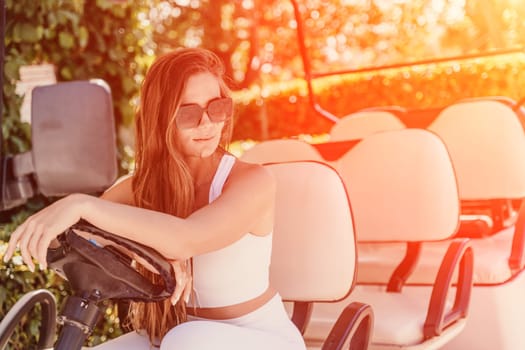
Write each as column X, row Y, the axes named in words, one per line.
column 160, row 231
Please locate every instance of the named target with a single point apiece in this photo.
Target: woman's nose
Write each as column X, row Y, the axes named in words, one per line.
column 205, row 119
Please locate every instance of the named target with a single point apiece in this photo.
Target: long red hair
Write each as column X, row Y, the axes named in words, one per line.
column 162, row 180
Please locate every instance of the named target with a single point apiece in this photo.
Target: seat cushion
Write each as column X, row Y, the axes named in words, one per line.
column 398, row 317
column 491, row 254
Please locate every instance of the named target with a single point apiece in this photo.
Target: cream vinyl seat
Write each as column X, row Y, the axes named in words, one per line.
column 281, row 150
column 314, row 250
column 491, row 175
column 486, row 143
column 403, row 192
column 362, row 123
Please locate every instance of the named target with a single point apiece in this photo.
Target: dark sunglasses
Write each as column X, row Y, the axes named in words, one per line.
column 190, row 115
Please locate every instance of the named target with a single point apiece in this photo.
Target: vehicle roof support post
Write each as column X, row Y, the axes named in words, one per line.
column 307, row 66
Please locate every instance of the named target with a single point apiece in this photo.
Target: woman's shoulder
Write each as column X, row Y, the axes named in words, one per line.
column 121, row 191
column 256, row 174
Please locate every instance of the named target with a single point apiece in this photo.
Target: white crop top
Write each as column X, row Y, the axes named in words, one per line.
column 236, row 273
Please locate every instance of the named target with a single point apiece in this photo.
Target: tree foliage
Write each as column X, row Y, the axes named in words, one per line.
column 83, row 40
column 258, row 41
column 488, row 25
column 229, row 28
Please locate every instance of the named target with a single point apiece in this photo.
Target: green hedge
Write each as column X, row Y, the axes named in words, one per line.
column 283, row 110
column 84, row 40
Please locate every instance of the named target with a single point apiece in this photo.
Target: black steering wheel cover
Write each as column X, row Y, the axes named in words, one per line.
column 150, row 255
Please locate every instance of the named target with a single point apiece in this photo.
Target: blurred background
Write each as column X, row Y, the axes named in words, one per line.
column 368, row 45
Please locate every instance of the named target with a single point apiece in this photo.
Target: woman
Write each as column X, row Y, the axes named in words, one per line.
column 193, row 202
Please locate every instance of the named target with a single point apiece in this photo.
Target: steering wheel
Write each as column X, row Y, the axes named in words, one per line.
column 106, row 271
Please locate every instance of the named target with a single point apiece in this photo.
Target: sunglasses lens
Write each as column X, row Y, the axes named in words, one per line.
column 189, row 116
column 220, row 109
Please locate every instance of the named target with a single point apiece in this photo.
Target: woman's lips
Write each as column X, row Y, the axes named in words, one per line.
column 203, row 139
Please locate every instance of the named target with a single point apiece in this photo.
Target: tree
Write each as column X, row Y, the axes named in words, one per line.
column 488, row 24
column 83, row 40
column 229, row 28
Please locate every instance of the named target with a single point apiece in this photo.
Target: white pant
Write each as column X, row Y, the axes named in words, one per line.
column 266, row 328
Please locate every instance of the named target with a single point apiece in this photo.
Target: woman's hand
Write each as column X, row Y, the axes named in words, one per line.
column 184, row 280
column 183, row 277
column 34, row 236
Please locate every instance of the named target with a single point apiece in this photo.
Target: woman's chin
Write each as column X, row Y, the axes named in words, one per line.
column 207, row 153
column 207, row 150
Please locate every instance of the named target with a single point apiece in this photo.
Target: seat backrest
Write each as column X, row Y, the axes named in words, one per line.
column 314, row 255
column 360, row 124
column 280, row 150
column 73, row 137
column 487, row 146
column 402, row 187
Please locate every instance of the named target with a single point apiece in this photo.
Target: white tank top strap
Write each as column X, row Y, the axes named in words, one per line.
column 223, row 170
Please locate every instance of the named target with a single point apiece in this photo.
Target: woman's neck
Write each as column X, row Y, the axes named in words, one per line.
column 203, row 169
